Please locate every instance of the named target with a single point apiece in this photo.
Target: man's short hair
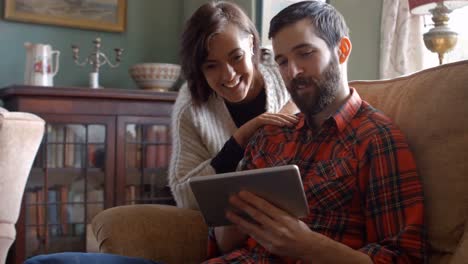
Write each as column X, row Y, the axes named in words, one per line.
column 329, row 24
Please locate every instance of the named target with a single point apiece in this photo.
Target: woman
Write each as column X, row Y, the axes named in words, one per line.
column 228, row 96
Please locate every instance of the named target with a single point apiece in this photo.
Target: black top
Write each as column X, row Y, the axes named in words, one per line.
column 229, row 156
column 241, row 113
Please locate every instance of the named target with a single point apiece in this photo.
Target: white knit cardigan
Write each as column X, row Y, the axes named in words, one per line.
column 199, row 133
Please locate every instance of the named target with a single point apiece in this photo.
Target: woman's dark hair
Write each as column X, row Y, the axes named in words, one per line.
column 209, row 19
column 329, row 24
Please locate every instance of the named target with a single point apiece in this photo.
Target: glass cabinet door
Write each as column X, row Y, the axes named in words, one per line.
column 146, row 153
column 66, row 187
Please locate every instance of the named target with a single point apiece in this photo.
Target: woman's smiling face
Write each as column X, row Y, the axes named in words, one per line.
column 229, row 68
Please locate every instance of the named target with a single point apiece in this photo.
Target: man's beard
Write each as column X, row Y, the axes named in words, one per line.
column 326, row 87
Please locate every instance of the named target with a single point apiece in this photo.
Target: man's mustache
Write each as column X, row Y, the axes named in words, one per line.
column 301, row 81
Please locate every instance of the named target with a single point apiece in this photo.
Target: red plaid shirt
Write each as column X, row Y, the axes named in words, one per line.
column 359, row 177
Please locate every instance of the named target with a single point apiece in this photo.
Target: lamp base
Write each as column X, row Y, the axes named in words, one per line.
column 440, row 39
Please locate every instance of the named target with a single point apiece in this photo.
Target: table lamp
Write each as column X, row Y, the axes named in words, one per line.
column 440, row 38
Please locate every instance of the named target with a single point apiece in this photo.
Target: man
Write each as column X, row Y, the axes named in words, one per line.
column 360, row 179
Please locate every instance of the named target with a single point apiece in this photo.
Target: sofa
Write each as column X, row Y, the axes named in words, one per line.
column 20, row 137
column 429, row 106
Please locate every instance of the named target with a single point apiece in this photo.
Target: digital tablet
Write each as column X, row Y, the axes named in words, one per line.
column 281, row 186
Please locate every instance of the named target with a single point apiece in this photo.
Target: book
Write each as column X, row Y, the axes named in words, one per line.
column 32, row 242
column 30, row 197
column 78, row 160
column 52, row 211
column 138, row 146
column 76, row 208
column 64, row 215
column 51, row 137
column 131, row 194
column 151, row 150
column 133, row 146
column 91, row 152
column 59, row 146
column 95, row 203
column 41, row 218
column 130, row 155
column 69, row 148
column 161, row 147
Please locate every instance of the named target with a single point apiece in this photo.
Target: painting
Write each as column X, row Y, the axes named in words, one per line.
column 105, row 15
column 269, row 9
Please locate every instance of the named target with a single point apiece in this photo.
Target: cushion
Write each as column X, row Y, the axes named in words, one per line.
column 430, row 108
column 157, row 232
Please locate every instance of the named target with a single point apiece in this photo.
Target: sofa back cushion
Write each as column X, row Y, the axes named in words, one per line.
column 430, row 107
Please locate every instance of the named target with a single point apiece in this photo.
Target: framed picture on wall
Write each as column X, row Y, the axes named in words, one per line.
column 269, row 9
column 105, row 15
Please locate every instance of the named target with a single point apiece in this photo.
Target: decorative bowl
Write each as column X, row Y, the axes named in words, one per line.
column 155, row 76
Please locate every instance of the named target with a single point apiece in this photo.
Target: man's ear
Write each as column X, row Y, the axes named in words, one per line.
column 344, row 49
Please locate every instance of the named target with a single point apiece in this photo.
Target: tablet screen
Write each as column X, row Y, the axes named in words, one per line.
column 281, row 186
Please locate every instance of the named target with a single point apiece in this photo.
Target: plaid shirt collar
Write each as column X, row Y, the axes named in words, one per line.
column 343, row 115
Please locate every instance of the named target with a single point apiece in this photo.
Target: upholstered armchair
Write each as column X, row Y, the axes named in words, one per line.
column 20, row 137
column 431, row 108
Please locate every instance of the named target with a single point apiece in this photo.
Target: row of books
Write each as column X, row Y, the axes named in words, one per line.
column 58, row 213
column 136, row 133
column 70, row 155
column 72, row 133
column 49, row 221
column 60, row 210
column 146, row 146
column 147, row 194
column 149, row 147
column 66, row 146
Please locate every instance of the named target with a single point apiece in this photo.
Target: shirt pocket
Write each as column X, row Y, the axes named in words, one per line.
column 277, row 153
column 330, row 184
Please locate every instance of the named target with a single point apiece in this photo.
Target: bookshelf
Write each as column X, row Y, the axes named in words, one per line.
column 101, row 148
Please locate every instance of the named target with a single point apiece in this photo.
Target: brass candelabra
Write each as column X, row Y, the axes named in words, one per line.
column 96, row 59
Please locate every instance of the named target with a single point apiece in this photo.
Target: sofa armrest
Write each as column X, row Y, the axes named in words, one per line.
column 20, row 136
column 156, row 232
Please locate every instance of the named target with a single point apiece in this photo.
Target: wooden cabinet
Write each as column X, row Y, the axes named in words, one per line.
column 102, row 148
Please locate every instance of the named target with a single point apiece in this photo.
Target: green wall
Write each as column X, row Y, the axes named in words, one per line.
column 363, row 18
column 249, row 6
column 151, row 35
